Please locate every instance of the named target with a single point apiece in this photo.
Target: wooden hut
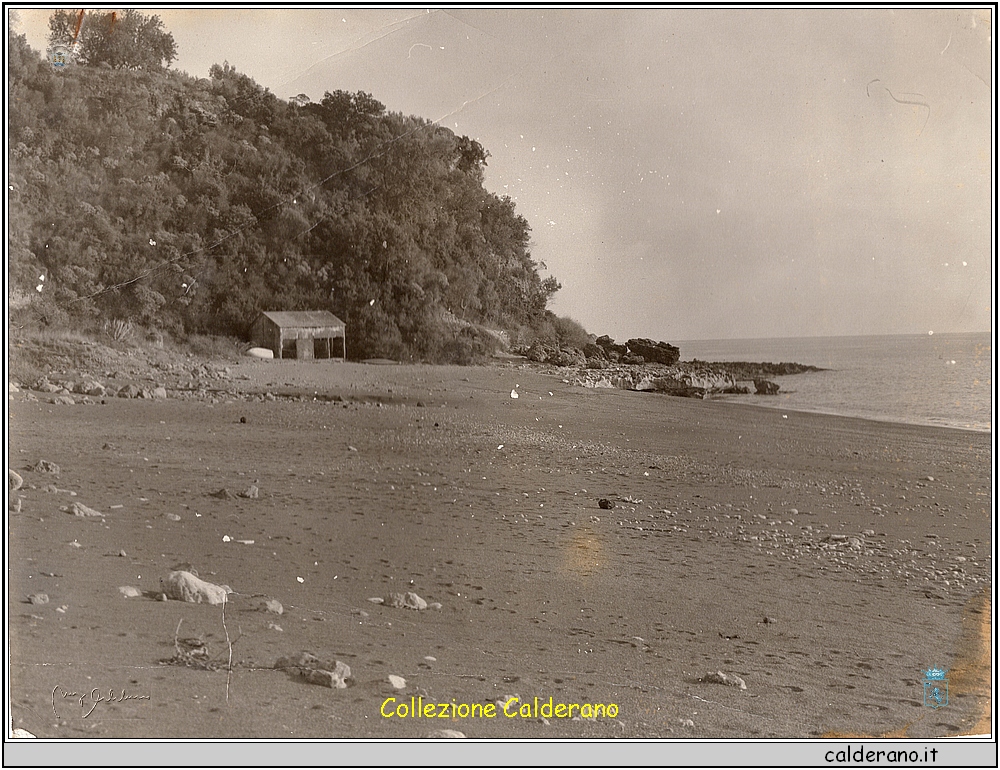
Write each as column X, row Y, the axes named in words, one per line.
column 302, row 334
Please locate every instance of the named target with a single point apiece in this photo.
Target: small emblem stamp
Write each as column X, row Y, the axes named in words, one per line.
column 60, row 55
column 935, row 687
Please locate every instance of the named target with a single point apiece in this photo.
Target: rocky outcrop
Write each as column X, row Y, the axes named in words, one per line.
column 543, row 353
column 655, row 352
column 683, row 379
column 612, row 351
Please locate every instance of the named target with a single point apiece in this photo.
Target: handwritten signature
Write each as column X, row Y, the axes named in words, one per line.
column 91, row 699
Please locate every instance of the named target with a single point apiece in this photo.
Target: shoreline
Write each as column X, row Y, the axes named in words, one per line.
column 866, row 418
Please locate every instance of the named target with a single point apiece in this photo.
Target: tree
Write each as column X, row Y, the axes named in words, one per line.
column 127, row 40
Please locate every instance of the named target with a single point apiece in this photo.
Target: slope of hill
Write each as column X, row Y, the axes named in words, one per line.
column 187, row 205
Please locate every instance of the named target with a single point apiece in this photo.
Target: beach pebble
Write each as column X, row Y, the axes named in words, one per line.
column 377, row 600
column 185, row 587
column 129, row 592
column 44, row 466
column 271, row 605
column 687, row 722
column 81, row 510
column 38, row 599
column 251, row 492
column 445, row 734
column 605, row 504
column 312, row 670
column 407, row 601
column 434, row 606
column 14, row 480
column 718, row 677
column 397, row 682
column 172, row 516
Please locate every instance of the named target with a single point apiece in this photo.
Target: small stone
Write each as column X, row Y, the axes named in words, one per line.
column 38, row 599
column 436, row 734
column 129, row 592
column 185, row 587
column 14, row 480
column 377, row 600
column 606, row 504
column 81, row 510
column 275, row 627
column 687, row 722
column 122, row 553
column 44, row 466
column 271, row 605
column 359, row 613
column 930, row 478
column 397, row 682
column 251, row 492
column 731, row 680
column 408, row 601
column 172, row 516
column 312, row 670
column 159, row 392
column 325, row 678
column 434, row 606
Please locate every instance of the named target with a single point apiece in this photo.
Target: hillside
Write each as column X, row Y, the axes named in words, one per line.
column 187, row 205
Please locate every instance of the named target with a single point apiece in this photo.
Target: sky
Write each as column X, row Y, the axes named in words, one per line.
column 687, row 173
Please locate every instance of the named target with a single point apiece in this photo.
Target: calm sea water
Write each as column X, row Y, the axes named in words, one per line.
column 940, row 379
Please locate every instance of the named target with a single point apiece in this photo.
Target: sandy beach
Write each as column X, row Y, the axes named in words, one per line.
column 823, row 562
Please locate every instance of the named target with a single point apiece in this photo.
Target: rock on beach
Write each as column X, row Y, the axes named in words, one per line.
column 185, row 587
column 407, row 601
column 312, row 670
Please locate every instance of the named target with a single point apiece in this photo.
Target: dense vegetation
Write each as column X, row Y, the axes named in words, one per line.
column 187, row 205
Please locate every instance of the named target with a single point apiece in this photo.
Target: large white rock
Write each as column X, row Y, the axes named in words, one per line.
column 185, row 587
column 260, row 353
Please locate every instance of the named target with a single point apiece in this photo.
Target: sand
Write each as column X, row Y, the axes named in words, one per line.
column 737, row 544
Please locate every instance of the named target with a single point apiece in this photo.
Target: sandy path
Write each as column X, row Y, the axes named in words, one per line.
column 488, row 505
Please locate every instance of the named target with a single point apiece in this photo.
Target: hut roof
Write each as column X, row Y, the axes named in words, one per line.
column 298, row 319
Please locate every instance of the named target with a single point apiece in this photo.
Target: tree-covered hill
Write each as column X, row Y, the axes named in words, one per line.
column 187, row 205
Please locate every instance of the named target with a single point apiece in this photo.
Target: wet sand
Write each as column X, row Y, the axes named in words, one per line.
column 737, row 543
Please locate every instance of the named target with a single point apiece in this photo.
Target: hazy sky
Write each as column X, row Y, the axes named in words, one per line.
column 688, row 174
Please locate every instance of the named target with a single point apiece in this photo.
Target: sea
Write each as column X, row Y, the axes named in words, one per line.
column 930, row 379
